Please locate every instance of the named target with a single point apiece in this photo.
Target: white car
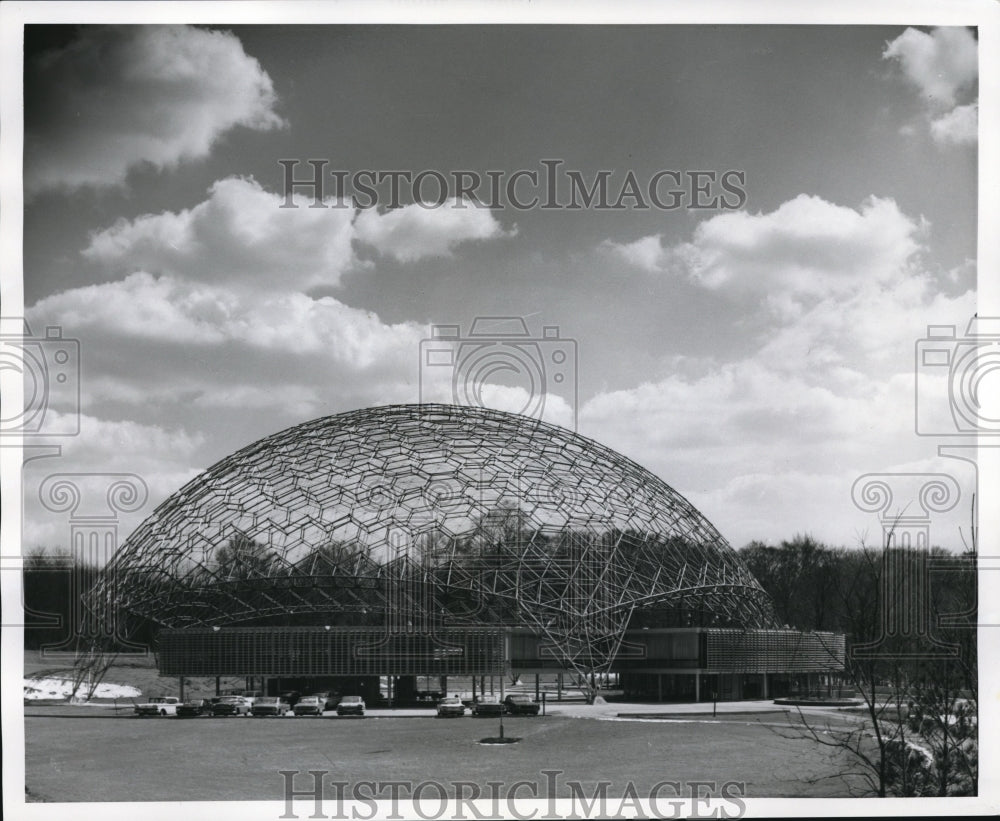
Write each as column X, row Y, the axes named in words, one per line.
column 351, row 706
column 158, row 706
column 451, row 707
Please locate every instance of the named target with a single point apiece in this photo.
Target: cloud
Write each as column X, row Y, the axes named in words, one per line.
column 437, row 386
column 241, row 235
column 807, row 246
column 645, row 253
column 766, row 447
column 939, row 65
column 805, row 250
column 164, row 458
column 118, row 97
column 960, row 126
column 179, row 313
column 212, row 317
column 943, row 66
column 768, row 442
column 416, row 231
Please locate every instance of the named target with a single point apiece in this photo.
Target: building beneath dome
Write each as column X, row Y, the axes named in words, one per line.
column 436, row 540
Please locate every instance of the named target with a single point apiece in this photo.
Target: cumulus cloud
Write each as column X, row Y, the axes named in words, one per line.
column 645, row 253
column 437, row 386
column 415, row 231
column 166, row 341
column 212, row 315
column 939, row 64
column 960, row 126
column 805, row 250
column 769, row 444
column 943, row 67
column 826, row 384
column 807, row 246
column 163, row 458
column 171, row 311
column 121, row 96
column 242, row 235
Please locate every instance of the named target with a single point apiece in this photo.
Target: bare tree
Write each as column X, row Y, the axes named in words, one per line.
column 914, row 732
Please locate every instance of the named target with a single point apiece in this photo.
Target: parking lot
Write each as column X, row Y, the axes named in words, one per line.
column 81, row 754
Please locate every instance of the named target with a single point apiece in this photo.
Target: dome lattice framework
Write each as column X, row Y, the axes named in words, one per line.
column 419, row 516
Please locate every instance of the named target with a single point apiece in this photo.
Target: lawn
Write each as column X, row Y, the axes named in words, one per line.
column 82, row 754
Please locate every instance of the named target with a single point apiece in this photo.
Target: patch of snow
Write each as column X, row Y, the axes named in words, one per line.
column 49, row 688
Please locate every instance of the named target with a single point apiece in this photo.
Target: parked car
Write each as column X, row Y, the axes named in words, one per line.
column 450, row 707
column 327, row 699
column 518, row 704
column 249, row 695
column 269, row 706
column 351, row 706
column 232, row 706
column 291, row 696
column 488, row 706
column 192, row 709
column 158, row 706
column 308, row 706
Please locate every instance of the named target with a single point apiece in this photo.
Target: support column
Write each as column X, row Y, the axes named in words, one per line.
column 697, row 686
column 473, row 688
column 217, row 685
column 764, row 676
column 182, row 688
column 443, row 685
column 559, row 683
column 536, row 686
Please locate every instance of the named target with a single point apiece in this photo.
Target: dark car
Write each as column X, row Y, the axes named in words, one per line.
column 488, row 706
column 351, row 706
column 309, row 706
column 327, row 699
column 192, row 709
column 231, row 706
column 291, row 696
column 521, row 705
column 269, row 706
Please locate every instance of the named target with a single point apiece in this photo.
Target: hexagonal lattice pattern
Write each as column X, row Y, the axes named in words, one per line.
column 415, row 516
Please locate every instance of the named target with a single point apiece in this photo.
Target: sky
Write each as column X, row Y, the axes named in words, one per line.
column 754, row 346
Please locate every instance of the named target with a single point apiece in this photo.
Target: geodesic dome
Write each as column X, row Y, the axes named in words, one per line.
column 416, row 515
